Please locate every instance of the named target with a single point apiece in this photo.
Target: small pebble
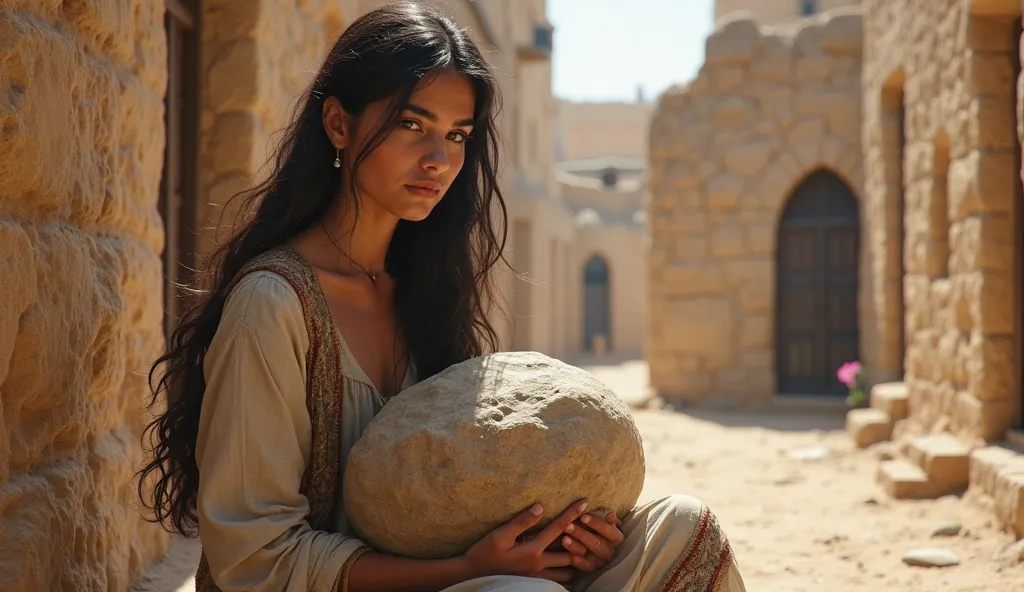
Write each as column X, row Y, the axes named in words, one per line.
column 947, row 529
column 931, row 557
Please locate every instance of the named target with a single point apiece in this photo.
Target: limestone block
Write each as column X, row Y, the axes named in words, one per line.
column 732, row 112
column 723, row 191
column 810, row 128
column 760, row 238
column 755, row 332
column 868, row 426
column 988, row 73
column 723, row 80
column 990, row 367
column 989, row 34
column 999, row 473
column 496, row 434
column 991, row 123
column 709, row 329
column 982, row 242
column 232, row 141
column 890, row 398
column 233, row 85
column 771, row 64
column 825, row 102
column 748, row 159
column 814, row 69
column 942, row 458
column 732, row 43
column 691, row 248
column 990, row 302
column 843, row 33
column 757, row 360
column 727, row 243
column 986, row 463
column 755, row 299
column 776, row 104
column 986, row 420
column 692, row 279
column 684, row 385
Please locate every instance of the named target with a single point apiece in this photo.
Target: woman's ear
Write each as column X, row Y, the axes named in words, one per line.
column 336, row 122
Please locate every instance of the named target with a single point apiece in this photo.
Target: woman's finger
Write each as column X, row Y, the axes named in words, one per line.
column 598, row 545
column 550, row 560
column 561, row 575
column 573, row 546
column 588, row 563
column 512, row 530
column 610, row 532
column 561, row 524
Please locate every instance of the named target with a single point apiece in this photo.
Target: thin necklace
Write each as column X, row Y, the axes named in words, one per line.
column 373, row 278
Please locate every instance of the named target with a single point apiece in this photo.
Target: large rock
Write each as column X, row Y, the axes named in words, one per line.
column 450, row 459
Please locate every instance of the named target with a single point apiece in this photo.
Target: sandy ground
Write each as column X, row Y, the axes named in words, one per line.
column 798, row 502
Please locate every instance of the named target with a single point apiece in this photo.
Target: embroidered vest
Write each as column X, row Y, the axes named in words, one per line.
column 322, row 479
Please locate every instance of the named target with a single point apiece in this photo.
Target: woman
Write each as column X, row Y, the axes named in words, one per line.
column 365, row 265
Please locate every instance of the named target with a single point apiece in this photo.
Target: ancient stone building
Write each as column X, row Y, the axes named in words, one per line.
column 777, row 12
column 82, row 145
column 754, row 210
column 127, row 126
column 885, row 227
column 943, row 206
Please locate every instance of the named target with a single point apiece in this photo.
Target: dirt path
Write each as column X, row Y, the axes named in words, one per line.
column 799, row 503
column 815, row 524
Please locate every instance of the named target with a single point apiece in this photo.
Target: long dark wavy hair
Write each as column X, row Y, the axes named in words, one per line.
column 441, row 265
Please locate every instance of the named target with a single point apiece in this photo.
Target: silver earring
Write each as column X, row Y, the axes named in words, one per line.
column 337, row 158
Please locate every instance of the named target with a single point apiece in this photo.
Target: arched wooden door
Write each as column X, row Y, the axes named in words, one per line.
column 816, row 303
column 596, row 302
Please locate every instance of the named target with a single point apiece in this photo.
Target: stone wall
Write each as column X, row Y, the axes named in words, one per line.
column 81, row 89
column 259, row 56
column 773, row 12
column 726, row 152
column 947, row 78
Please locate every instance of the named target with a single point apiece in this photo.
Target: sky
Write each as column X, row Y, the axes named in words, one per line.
column 605, row 49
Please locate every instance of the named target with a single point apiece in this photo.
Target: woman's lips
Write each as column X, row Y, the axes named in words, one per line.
column 425, row 189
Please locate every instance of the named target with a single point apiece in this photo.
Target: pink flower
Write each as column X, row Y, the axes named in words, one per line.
column 847, row 373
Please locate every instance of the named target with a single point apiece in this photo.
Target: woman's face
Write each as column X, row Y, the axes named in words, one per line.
column 409, row 173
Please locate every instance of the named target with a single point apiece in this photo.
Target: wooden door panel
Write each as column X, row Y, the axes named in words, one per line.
column 817, row 329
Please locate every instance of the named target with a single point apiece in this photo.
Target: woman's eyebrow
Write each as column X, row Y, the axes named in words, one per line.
column 433, row 117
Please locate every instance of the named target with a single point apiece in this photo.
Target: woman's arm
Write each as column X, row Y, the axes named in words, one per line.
column 378, row 572
column 253, row 445
column 496, row 553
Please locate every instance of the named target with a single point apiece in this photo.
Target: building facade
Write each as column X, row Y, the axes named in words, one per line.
column 862, row 201
column 128, row 126
column 777, row 12
column 755, row 168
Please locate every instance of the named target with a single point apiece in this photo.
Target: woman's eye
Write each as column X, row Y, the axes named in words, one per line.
column 459, row 137
column 410, row 125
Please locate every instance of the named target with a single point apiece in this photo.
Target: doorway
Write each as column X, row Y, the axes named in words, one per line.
column 817, row 325
column 596, row 301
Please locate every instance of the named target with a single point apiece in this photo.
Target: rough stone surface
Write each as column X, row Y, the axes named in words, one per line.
column 258, row 58
column 81, row 88
column 998, row 474
column 943, row 292
column 767, row 109
column 461, row 453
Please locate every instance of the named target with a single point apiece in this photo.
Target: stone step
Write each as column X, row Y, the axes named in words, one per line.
column 999, row 473
column 902, row 479
column 868, row 426
column 890, row 397
column 945, row 460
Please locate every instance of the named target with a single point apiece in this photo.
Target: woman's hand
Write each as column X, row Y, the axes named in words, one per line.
column 499, row 553
column 592, row 540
